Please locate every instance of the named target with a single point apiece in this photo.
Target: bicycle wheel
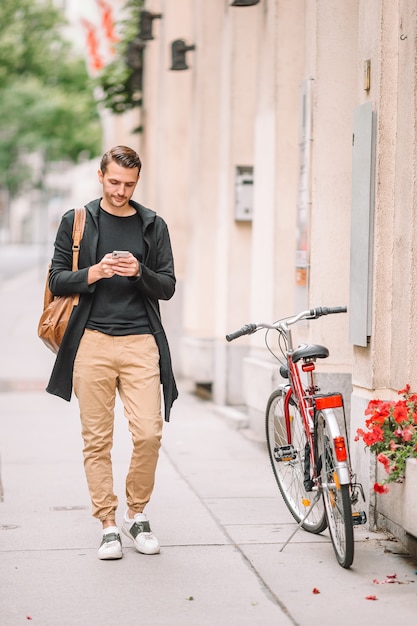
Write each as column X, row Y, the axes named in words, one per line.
column 289, row 472
column 336, row 497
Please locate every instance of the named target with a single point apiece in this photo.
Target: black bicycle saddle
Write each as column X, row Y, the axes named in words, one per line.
column 311, row 351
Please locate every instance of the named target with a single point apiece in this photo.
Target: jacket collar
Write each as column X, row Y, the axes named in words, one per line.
column 147, row 215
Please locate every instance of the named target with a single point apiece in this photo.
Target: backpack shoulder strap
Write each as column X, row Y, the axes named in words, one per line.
column 77, row 235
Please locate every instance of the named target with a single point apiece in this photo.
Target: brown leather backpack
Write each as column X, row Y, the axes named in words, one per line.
column 57, row 309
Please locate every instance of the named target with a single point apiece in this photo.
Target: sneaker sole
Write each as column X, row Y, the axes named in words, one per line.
column 110, row 558
column 127, row 533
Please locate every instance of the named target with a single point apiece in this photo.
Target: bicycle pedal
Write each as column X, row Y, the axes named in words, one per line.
column 285, row 453
column 358, row 518
column 308, row 484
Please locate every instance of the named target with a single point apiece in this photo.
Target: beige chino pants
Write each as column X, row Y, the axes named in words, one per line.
column 130, row 365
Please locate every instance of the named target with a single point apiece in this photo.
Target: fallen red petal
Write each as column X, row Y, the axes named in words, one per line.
column 390, row 578
column 315, row 590
column 371, row 598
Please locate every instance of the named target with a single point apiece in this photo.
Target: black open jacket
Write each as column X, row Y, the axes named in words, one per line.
column 156, row 282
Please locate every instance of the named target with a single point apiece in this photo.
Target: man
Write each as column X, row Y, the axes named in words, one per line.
column 115, row 341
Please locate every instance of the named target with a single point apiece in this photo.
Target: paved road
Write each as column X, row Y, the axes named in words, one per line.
column 17, row 258
column 216, row 510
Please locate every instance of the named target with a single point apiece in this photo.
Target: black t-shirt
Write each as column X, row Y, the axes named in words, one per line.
column 118, row 307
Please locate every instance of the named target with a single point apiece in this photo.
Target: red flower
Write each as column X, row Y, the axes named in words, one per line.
column 400, row 412
column 407, row 433
column 405, row 391
column 381, row 488
column 384, row 460
column 377, row 418
column 359, row 433
column 378, row 409
column 376, row 434
column 373, row 405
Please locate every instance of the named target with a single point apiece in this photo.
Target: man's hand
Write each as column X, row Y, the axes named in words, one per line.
column 125, row 266
column 109, row 266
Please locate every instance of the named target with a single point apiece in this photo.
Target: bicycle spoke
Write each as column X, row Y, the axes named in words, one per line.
column 336, row 498
column 289, row 474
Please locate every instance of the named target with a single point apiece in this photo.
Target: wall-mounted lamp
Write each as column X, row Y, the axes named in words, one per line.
column 134, row 60
column 146, row 20
column 243, row 3
column 178, row 50
column 134, row 54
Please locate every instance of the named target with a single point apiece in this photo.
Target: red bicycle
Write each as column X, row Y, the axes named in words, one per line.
column 307, row 440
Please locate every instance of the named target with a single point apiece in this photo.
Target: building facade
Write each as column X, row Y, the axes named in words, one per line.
column 284, row 160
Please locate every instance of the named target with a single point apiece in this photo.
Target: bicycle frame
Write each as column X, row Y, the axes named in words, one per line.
column 308, row 405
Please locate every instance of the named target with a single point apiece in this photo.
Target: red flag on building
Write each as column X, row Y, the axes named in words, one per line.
column 107, row 23
column 94, row 57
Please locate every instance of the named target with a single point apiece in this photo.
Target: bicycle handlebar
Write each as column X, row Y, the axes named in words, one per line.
column 327, row 310
column 312, row 314
column 247, row 329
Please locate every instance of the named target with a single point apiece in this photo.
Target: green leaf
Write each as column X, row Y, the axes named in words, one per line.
column 47, row 102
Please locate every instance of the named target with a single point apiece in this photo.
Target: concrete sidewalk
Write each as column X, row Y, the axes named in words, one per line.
column 216, row 510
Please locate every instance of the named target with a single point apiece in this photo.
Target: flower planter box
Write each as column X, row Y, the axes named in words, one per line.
column 399, row 505
column 390, row 505
column 410, row 498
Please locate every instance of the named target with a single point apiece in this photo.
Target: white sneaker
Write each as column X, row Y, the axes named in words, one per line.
column 139, row 530
column 111, row 545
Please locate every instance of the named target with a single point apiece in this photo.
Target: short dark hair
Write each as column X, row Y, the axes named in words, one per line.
column 123, row 156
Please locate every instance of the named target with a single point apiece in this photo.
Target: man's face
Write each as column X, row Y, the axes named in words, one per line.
column 119, row 183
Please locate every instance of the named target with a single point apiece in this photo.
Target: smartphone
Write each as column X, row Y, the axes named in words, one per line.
column 117, row 254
